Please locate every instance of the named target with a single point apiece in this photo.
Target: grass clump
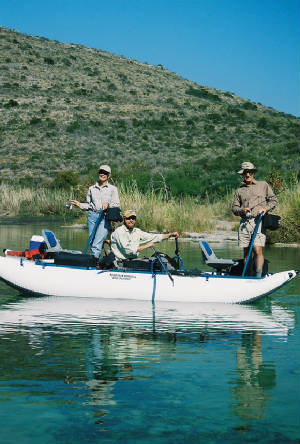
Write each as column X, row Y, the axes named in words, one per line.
column 289, row 211
column 19, row 201
column 155, row 210
column 156, row 214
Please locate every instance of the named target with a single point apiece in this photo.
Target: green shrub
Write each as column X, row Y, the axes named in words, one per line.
column 11, row 104
column 73, row 126
column 35, row 120
column 249, row 106
column 65, row 179
column 201, row 92
column 49, row 61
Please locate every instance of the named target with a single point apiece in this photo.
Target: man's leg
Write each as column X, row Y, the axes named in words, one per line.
column 100, row 236
column 259, row 259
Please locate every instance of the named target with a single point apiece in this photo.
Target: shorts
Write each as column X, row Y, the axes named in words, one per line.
column 246, row 229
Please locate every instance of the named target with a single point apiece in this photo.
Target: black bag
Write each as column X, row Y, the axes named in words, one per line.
column 114, row 214
column 271, row 222
column 75, row 260
column 143, row 264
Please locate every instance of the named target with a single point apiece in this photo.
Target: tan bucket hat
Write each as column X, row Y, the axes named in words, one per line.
column 247, row 166
column 129, row 213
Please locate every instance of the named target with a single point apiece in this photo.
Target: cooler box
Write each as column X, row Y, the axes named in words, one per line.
column 37, row 242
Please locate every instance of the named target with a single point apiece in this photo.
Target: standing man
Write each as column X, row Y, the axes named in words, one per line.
column 100, row 196
column 252, row 198
column 127, row 240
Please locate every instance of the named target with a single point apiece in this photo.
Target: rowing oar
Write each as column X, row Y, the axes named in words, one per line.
column 162, row 264
column 177, row 247
column 92, row 235
column 252, row 242
column 177, row 253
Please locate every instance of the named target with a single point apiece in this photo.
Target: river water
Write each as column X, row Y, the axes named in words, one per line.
column 81, row 371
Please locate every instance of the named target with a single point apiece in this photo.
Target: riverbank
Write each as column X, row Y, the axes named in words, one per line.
column 224, row 233
column 155, row 213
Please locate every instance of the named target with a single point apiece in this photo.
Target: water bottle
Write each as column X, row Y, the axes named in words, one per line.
column 69, row 206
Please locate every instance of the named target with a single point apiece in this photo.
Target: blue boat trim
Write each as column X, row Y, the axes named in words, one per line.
column 119, row 270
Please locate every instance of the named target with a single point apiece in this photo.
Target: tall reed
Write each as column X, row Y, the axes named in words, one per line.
column 17, row 201
column 289, row 211
column 154, row 212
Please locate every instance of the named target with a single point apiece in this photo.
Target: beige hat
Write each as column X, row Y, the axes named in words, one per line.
column 247, row 166
column 105, row 168
column 129, row 213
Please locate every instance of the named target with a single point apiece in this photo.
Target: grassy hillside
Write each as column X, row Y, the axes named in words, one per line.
column 68, row 107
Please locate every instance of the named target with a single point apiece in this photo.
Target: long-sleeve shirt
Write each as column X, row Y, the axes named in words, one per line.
column 97, row 196
column 255, row 196
column 124, row 242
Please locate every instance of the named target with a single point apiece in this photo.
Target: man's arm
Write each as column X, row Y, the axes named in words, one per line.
column 151, row 244
column 270, row 202
column 237, row 206
column 271, row 198
column 114, row 201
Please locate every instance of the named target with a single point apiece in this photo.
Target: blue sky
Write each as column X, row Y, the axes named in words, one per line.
column 248, row 47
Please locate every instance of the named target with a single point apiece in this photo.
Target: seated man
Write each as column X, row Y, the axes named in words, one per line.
column 127, row 240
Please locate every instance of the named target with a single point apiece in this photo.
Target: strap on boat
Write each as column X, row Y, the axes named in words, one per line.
column 154, row 288
column 154, row 281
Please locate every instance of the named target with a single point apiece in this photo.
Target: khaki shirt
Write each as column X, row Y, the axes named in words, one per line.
column 255, row 196
column 97, row 196
column 124, row 242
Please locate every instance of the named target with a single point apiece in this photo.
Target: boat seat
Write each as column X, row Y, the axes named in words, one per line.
column 53, row 244
column 210, row 259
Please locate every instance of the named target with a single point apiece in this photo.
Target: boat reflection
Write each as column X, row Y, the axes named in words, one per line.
column 270, row 317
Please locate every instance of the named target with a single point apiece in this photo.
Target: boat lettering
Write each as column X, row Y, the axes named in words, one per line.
column 122, row 276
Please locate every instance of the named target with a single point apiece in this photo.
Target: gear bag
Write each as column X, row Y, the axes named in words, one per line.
column 271, row 222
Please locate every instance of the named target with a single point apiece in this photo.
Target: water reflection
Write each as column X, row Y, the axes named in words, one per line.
column 135, row 315
column 89, row 346
column 251, row 388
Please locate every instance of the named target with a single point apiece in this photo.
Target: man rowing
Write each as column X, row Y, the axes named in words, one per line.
column 127, row 241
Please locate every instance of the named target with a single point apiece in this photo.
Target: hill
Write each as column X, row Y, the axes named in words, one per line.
column 66, row 107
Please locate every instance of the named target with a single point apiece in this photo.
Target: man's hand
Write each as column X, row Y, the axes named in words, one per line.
column 75, row 203
column 246, row 210
column 104, row 206
column 262, row 210
column 168, row 235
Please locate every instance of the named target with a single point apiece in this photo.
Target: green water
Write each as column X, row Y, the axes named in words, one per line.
column 93, row 371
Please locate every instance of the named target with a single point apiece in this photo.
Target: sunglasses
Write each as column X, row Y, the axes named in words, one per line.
column 103, row 172
column 248, row 172
column 130, row 217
